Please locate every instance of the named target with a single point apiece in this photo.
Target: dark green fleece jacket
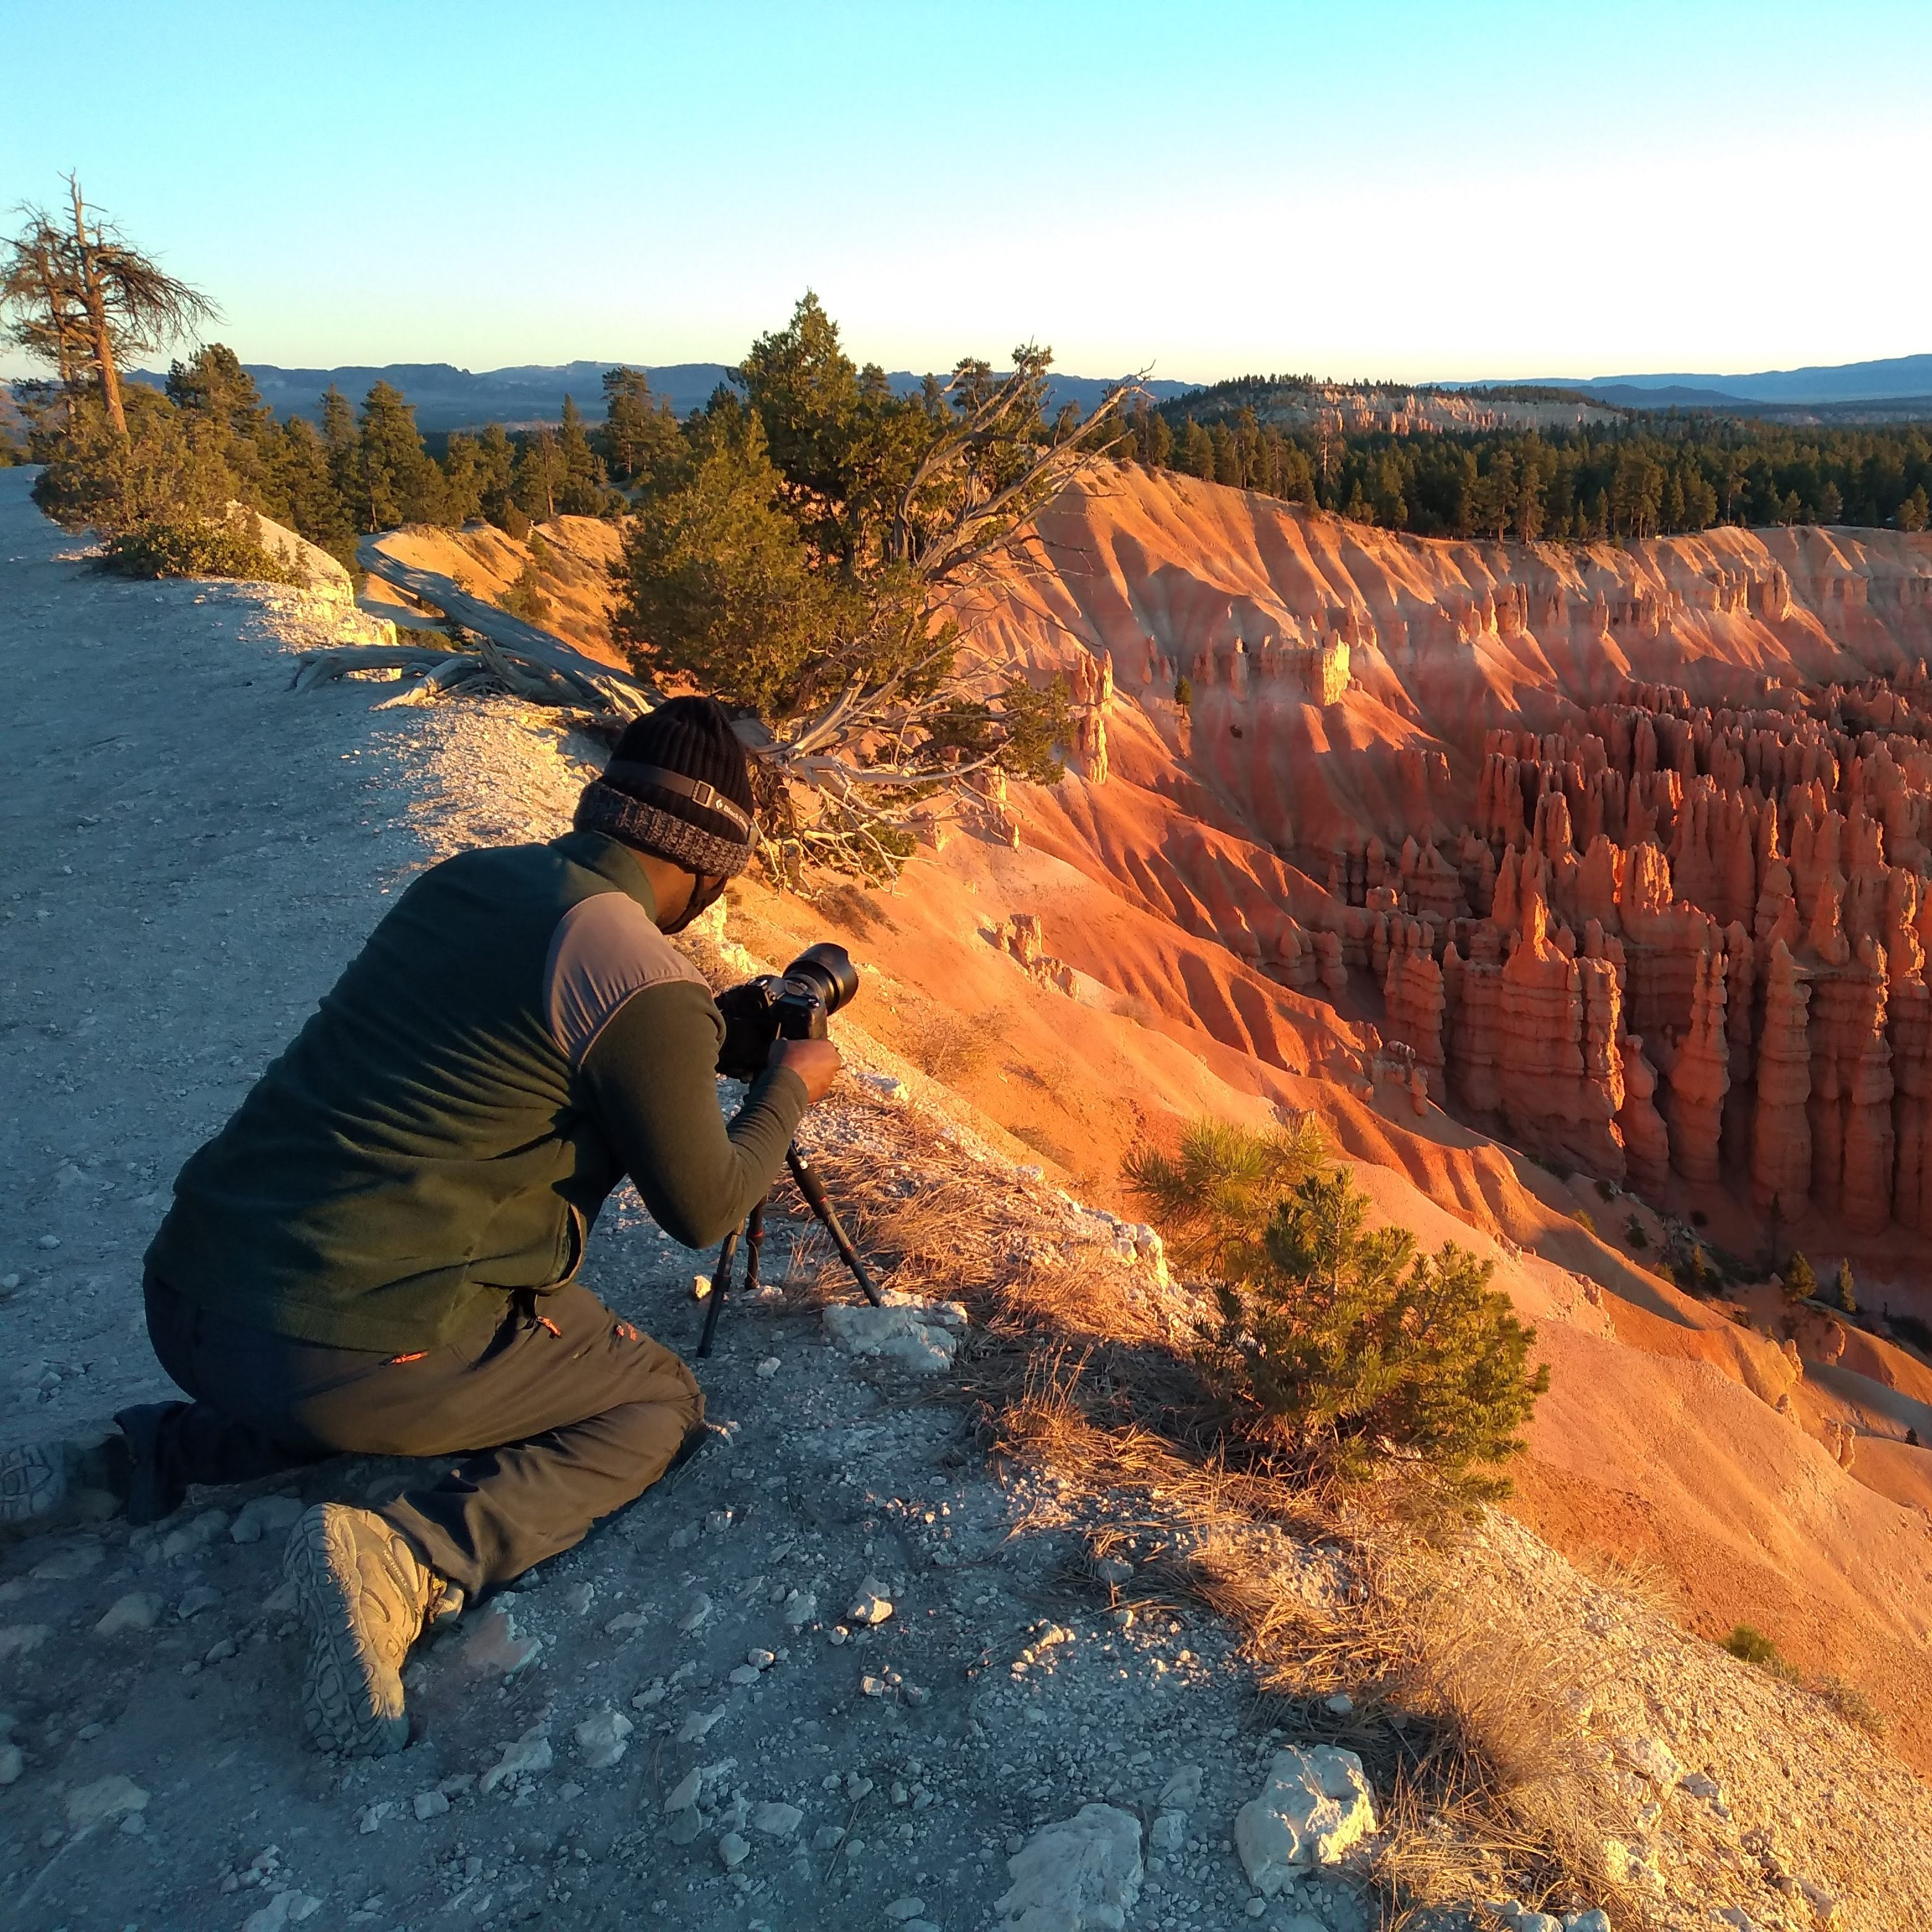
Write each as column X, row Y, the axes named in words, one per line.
column 516, row 1035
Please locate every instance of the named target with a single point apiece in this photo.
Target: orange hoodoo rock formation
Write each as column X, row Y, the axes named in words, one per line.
column 1629, row 846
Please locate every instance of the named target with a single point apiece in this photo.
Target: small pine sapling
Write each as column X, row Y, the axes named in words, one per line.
column 1842, row 1285
column 1800, row 1279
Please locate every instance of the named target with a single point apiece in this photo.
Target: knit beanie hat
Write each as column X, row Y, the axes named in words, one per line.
column 678, row 787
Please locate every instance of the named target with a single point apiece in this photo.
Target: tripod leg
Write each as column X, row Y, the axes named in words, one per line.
column 754, row 1246
column 721, row 1281
column 813, row 1189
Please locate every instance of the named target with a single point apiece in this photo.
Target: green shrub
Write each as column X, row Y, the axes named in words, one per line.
column 1608, row 1189
column 1183, row 691
column 163, row 546
column 1342, row 1344
column 1585, row 1219
column 1801, row 1280
column 1633, row 1234
column 1749, row 1643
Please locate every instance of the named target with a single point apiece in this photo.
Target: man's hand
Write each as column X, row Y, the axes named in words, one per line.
column 816, row 1062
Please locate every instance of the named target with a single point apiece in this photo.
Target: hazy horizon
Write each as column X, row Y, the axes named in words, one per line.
column 1389, row 191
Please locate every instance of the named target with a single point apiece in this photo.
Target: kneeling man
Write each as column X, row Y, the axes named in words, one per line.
column 378, row 1253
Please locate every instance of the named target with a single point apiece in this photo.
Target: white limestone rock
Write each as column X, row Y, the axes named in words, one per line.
column 1083, row 1875
column 900, row 1335
column 1315, row 1806
column 531, row 1753
column 603, row 1738
column 138, row 1610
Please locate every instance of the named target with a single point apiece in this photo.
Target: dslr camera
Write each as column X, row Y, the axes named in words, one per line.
column 794, row 1004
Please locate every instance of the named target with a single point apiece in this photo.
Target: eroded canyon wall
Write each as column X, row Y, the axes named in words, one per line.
column 1631, row 843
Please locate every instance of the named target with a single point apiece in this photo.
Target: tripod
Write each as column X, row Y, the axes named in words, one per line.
column 753, row 1235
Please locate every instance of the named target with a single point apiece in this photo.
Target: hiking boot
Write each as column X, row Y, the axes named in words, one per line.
column 49, row 1485
column 365, row 1598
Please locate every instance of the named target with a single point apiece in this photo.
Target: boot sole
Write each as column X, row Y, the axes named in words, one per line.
column 36, row 1493
column 349, row 1710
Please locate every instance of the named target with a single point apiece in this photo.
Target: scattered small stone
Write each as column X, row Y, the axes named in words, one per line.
column 717, row 1522
column 203, row 1597
column 194, row 1536
column 12, row 1764
column 1182, row 1791
column 826, row 1836
column 286, row 1908
column 494, row 1646
column 531, row 1753
column 873, row 1605
column 428, row 1805
column 138, row 1610
column 684, row 1536
column 1341, row 1705
column 684, row 1793
column 106, row 1798
column 374, row 1816
column 901, row 1909
column 857, row 1787
column 265, row 1516
column 578, row 1597
column 1168, row 1833
column 697, row 1724
column 686, row 1827
column 695, row 1612
column 743, row 1674
column 871, row 1687
column 800, row 1607
column 50, row 1242
column 603, row 1738
column 1651, row 1758
column 624, row 1624
column 776, row 1820
column 768, row 1368
column 733, row 1851
column 1114, row 1571
column 220, row 1651
column 65, row 1566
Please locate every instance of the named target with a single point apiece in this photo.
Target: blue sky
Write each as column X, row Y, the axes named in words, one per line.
column 1358, row 189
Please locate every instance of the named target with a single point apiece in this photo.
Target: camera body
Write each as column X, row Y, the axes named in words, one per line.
column 793, row 1005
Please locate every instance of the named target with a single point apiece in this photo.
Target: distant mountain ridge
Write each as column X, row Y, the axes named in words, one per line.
column 1892, row 378
column 446, row 397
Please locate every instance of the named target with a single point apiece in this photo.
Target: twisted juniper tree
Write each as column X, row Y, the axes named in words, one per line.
column 797, row 554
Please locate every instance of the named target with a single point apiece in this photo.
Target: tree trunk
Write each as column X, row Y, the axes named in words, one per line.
column 94, row 301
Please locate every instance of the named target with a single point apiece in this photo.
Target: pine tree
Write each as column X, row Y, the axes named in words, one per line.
column 1801, row 1280
column 584, row 485
column 539, row 474
column 1915, row 510
column 496, row 469
column 398, row 483
column 316, row 510
column 1842, row 1285
column 1339, row 1341
column 642, row 441
column 343, row 441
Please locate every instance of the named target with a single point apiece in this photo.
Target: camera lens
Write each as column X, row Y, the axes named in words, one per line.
column 829, row 971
